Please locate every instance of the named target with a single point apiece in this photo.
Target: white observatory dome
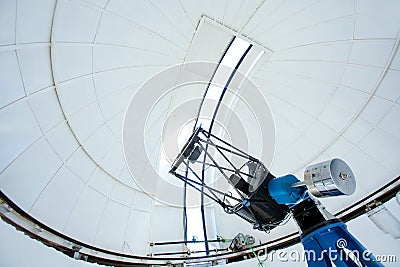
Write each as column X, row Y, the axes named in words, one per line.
column 328, row 71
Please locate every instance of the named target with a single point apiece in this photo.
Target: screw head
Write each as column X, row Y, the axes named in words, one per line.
column 343, row 175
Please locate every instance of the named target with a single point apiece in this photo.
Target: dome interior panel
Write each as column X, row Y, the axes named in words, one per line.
column 34, row 21
column 11, row 85
column 123, row 194
column 84, row 87
column 386, row 124
column 8, row 15
column 146, row 16
column 71, row 61
column 137, row 233
column 81, row 164
column 52, row 198
column 86, row 121
column 43, row 163
column 90, row 205
column 112, row 226
column 22, row 131
column 382, row 23
column 62, row 140
column 38, row 76
column 103, row 135
column 82, row 29
column 46, row 108
column 101, row 182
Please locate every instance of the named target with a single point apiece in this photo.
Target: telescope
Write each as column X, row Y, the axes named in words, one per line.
column 266, row 201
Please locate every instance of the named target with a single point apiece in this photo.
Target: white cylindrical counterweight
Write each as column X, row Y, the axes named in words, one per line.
column 330, row 178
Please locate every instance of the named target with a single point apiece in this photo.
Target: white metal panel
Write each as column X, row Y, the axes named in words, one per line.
column 62, row 140
column 142, row 202
column 111, row 230
column 384, row 148
column 104, row 136
column 339, row 148
column 86, row 215
column 192, row 11
column 336, row 51
column 112, row 80
column 294, row 115
column 83, row 26
column 257, row 22
column 348, row 99
column 173, row 11
column 34, row 20
column 11, row 85
column 46, row 108
column 330, row 31
column 81, row 164
column 316, row 137
column 101, row 182
column 286, row 133
column 387, row 125
column 207, row 8
column 380, row 23
column 166, row 225
column 126, row 178
column 71, row 61
column 112, row 104
column 368, row 178
column 360, row 77
column 321, row 71
column 378, row 52
column 39, row 75
column 19, row 130
column 396, row 61
column 285, row 161
column 144, row 15
column 388, row 88
column 321, row 131
column 123, row 194
column 115, row 123
column 369, row 6
column 85, row 122
column 335, row 117
column 310, row 18
column 8, row 13
column 138, row 232
column 117, row 31
column 107, row 57
column 100, row 3
column 313, row 99
column 375, row 110
column 238, row 16
column 114, row 161
column 68, row 92
column 358, row 130
column 25, row 178
column 53, row 199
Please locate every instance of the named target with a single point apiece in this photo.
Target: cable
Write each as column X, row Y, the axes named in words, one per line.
column 252, row 250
